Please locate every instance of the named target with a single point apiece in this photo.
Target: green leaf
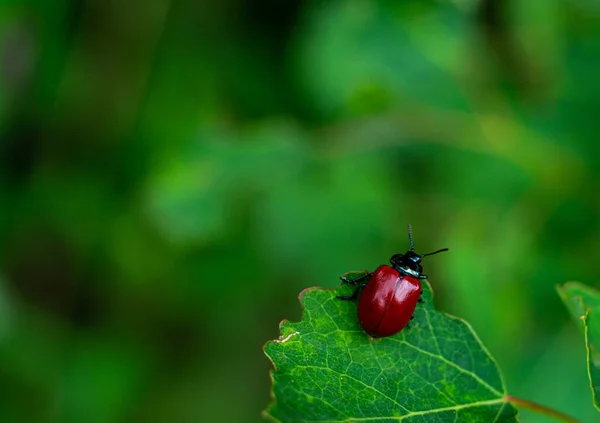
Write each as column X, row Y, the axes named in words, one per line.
column 583, row 303
column 328, row 370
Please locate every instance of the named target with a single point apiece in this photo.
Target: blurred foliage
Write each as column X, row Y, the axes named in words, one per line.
column 173, row 172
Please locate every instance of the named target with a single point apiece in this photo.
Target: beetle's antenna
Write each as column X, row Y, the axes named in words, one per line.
column 412, row 246
column 435, row 252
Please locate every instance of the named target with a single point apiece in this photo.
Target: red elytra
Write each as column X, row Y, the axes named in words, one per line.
column 388, row 302
column 390, row 297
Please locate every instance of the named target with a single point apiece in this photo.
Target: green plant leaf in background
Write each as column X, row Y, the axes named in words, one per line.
column 583, row 303
column 328, row 370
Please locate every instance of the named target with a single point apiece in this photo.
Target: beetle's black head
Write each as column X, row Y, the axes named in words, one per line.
column 409, row 262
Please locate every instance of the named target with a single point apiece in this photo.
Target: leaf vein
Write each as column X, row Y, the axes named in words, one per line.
column 462, row 370
column 499, row 413
column 437, row 345
column 359, row 381
column 455, row 408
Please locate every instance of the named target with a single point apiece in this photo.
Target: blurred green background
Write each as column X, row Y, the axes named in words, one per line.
column 174, row 172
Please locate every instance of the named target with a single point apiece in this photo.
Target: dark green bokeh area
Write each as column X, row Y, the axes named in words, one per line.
column 174, row 172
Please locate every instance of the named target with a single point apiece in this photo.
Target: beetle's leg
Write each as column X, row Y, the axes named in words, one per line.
column 357, row 280
column 420, row 300
column 412, row 317
column 422, row 276
column 354, row 296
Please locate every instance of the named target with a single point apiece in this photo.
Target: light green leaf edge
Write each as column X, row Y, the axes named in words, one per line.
column 582, row 312
column 507, row 412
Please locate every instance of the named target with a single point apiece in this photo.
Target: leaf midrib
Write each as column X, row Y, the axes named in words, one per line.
column 417, row 413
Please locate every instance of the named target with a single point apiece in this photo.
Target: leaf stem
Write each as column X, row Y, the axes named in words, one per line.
column 541, row 409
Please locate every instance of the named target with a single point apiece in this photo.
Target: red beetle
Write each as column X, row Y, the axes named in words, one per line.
column 388, row 301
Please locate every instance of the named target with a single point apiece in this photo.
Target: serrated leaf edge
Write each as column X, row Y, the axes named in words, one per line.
column 265, row 412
